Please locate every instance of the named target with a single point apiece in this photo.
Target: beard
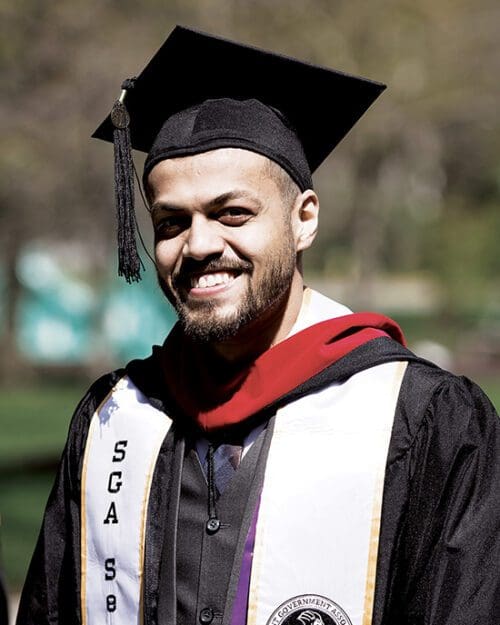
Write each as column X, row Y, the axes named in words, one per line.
column 204, row 322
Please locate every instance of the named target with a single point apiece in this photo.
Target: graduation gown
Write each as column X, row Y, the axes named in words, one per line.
column 439, row 539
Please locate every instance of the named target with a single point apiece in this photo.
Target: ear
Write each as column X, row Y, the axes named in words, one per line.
column 305, row 219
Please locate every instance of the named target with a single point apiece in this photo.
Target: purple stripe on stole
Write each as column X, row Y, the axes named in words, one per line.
column 240, row 606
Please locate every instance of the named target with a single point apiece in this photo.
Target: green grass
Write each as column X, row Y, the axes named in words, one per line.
column 23, row 500
column 33, row 425
column 34, row 421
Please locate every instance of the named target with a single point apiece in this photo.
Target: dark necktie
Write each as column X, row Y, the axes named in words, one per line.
column 226, row 460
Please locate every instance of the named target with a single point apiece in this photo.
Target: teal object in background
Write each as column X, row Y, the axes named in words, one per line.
column 135, row 317
column 63, row 319
column 47, row 332
column 56, row 311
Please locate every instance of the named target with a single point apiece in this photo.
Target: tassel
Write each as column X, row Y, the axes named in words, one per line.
column 129, row 262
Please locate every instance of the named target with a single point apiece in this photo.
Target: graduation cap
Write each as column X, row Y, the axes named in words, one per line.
column 201, row 92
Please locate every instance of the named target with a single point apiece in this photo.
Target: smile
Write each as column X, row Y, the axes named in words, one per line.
column 210, row 280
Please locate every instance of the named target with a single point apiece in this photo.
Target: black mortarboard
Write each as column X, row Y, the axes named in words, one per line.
column 200, row 92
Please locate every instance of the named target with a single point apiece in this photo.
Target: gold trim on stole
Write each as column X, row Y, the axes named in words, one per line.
column 83, row 509
column 371, row 572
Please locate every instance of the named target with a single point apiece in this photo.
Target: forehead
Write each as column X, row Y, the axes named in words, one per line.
column 211, row 172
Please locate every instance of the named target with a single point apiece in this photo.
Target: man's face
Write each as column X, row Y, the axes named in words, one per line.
column 225, row 246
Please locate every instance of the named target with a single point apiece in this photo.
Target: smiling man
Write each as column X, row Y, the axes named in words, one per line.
column 227, row 237
column 279, row 459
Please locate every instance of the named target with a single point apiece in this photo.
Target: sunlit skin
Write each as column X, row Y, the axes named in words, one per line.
column 222, row 228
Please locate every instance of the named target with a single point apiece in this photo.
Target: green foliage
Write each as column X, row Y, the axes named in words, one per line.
column 389, row 191
column 462, row 249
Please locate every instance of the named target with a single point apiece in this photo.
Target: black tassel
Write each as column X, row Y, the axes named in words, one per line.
column 129, row 262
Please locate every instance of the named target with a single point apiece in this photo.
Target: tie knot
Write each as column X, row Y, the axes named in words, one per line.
column 226, row 459
column 228, row 453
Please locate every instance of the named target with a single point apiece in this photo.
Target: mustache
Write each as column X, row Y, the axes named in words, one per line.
column 191, row 267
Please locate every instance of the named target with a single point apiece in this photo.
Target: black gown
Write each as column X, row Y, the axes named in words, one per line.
column 439, row 548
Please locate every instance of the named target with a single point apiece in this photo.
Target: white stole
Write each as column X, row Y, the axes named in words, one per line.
column 123, row 443
column 319, row 518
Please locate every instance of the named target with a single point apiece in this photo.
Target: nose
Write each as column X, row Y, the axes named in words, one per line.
column 203, row 238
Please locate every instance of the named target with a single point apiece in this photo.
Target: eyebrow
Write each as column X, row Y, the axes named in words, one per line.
column 215, row 202
column 236, row 194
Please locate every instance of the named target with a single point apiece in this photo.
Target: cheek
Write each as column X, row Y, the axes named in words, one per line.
column 166, row 256
column 255, row 243
column 273, row 244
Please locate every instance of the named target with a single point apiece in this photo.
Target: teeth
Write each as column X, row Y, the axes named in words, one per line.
column 211, row 279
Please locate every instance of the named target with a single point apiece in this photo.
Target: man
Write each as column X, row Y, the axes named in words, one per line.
column 280, row 459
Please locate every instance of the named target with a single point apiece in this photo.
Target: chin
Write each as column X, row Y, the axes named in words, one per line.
column 210, row 327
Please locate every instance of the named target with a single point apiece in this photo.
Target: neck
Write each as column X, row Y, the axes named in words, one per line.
column 258, row 336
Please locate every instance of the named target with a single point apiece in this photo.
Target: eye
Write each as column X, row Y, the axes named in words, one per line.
column 233, row 215
column 170, row 226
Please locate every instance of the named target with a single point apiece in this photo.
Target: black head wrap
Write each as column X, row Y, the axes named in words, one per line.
column 228, row 123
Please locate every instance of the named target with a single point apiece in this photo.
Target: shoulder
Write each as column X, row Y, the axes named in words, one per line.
column 436, row 405
column 441, row 514
column 88, row 405
column 437, row 395
column 144, row 373
column 147, row 375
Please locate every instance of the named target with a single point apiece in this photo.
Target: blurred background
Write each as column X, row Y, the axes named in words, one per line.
column 410, row 200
